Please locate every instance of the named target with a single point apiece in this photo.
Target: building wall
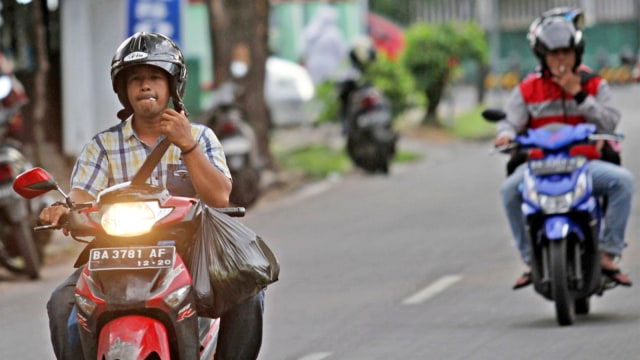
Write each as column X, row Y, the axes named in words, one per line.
column 89, row 39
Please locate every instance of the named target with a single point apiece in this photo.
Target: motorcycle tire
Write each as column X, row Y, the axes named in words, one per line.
column 246, row 187
column 582, row 306
column 26, row 260
column 564, row 303
column 364, row 154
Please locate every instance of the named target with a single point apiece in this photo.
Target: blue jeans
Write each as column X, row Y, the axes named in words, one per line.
column 614, row 181
column 240, row 327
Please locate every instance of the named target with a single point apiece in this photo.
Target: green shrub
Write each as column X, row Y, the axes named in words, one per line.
column 396, row 82
column 434, row 51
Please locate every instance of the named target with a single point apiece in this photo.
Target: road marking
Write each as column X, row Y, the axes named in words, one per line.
column 432, row 290
column 316, row 356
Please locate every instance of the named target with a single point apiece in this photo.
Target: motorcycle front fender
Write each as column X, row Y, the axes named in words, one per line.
column 133, row 337
column 559, row 227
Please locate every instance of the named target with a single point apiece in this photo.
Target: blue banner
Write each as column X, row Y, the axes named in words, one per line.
column 162, row 16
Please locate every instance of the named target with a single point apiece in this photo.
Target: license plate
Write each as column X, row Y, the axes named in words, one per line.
column 132, row 258
column 555, row 166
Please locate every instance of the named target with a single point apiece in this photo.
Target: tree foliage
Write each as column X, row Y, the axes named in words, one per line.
column 434, row 50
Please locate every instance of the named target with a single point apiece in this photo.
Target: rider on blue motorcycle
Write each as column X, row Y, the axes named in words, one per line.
column 563, row 92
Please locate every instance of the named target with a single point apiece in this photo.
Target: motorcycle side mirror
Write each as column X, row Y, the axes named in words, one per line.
column 5, row 86
column 493, row 115
column 34, row 182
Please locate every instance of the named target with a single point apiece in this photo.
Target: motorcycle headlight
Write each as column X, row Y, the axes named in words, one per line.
column 131, row 219
column 556, row 204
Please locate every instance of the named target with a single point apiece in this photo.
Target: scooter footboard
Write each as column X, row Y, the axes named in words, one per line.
column 133, row 337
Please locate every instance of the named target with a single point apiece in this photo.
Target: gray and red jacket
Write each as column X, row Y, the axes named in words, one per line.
column 538, row 101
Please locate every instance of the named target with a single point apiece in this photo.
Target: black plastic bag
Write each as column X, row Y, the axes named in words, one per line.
column 229, row 263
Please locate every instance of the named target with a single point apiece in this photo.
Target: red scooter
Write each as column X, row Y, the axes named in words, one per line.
column 134, row 299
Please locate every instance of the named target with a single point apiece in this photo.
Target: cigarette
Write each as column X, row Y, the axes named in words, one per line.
column 154, row 99
column 561, row 69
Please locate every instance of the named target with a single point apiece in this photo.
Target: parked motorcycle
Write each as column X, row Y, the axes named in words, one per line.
column 134, row 299
column 371, row 141
column 20, row 251
column 564, row 218
column 238, row 141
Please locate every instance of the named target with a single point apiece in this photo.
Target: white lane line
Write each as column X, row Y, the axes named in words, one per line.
column 432, row 290
column 316, row 356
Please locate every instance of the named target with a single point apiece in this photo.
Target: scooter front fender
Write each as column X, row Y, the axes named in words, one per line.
column 133, row 337
column 559, row 227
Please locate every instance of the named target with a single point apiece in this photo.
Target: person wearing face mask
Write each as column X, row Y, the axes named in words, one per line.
column 564, row 91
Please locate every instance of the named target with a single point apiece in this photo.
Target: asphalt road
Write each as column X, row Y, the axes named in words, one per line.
column 415, row 265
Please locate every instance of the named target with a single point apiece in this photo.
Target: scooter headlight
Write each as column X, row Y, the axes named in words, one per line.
column 556, row 204
column 131, row 219
column 562, row 203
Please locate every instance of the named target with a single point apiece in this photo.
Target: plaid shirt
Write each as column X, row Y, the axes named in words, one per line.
column 114, row 156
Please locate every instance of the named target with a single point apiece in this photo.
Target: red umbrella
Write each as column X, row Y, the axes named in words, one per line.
column 387, row 36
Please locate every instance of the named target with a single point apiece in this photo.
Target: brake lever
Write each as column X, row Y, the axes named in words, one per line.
column 503, row 148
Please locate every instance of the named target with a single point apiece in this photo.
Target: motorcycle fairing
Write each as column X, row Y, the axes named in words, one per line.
column 133, row 337
column 559, row 227
column 556, row 136
column 122, row 293
column 560, row 184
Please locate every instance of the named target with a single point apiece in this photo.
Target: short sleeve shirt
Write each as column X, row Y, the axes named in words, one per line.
column 114, row 156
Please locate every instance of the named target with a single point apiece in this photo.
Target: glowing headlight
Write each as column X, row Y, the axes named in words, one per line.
column 131, row 219
column 556, row 204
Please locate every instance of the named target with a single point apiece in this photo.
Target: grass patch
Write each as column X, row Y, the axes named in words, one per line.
column 319, row 161
column 471, row 125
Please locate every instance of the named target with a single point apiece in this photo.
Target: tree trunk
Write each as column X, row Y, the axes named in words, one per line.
column 39, row 100
column 434, row 95
column 239, row 31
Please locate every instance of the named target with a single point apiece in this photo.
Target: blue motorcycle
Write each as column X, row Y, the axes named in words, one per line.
column 564, row 219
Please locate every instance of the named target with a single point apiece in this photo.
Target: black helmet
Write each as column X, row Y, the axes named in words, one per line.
column 362, row 53
column 146, row 48
column 557, row 29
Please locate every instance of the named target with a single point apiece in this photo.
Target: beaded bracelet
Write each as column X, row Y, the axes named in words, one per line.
column 190, row 149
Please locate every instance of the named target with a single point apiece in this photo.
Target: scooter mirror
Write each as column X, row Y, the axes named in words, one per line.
column 33, row 183
column 5, row 86
column 493, row 115
column 239, row 69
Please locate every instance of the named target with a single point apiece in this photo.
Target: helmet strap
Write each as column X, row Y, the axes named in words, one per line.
column 178, row 105
column 124, row 113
